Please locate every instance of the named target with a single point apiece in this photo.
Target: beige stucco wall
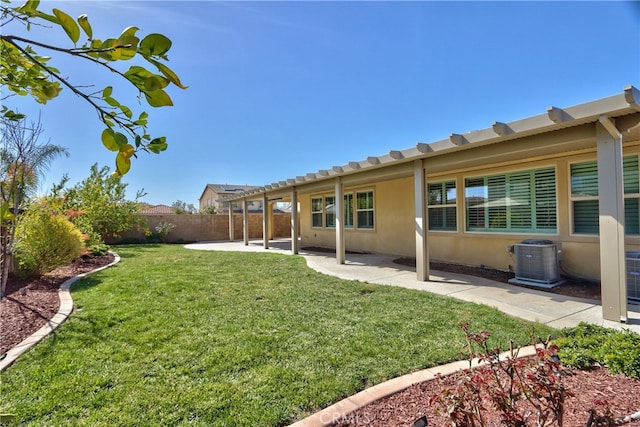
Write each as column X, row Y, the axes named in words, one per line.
column 394, row 231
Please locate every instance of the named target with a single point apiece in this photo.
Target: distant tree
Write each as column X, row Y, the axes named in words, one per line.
column 181, row 207
column 23, row 160
column 25, row 72
column 98, row 204
column 142, row 206
column 209, row 210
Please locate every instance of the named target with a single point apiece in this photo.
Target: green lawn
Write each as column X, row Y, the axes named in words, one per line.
column 172, row 336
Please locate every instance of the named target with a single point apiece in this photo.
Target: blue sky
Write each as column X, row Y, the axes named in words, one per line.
column 280, row 89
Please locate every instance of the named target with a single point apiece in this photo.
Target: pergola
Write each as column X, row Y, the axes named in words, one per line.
column 616, row 119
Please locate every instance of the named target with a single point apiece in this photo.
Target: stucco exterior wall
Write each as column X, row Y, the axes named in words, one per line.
column 394, row 231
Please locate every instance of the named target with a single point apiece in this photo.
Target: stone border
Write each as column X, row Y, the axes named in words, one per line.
column 66, row 307
column 344, row 408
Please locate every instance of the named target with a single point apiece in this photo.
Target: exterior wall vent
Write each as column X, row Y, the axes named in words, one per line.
column 537, row 263
column 633, row 276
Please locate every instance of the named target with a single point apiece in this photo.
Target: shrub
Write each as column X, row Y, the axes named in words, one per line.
column 164, row 228
column 98, row 250
column 587, row 344
column 504, row 384
column 621, row 353
column 45, row 241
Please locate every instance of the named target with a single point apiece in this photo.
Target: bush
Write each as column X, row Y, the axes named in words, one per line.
column 163, row 229
column 504, row 383
column 621, row 353
column 98, row 250
column 586, row 344
column 45, row 241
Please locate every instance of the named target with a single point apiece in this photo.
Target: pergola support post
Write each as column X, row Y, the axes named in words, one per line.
column 265, row 221
column 294, row 221
column 611, row 207
column 245, row 221
column 231, row 223
column 339, row 214
column 422, row 247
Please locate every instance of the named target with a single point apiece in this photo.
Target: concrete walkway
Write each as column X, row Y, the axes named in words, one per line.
column 555, row 310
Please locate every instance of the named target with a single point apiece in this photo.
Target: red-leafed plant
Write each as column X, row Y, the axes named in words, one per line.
column 506, row 384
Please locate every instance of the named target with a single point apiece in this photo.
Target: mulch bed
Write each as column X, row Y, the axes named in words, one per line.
column 597, row 384
column 30, row 303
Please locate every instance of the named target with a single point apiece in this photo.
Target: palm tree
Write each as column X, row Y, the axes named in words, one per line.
column 23, row 161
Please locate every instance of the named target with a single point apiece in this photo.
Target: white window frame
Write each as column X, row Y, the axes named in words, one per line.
column 445, row 205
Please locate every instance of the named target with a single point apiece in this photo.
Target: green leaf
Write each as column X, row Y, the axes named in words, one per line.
column 47, row 17
column 127, row 151
column 109, row 140
column 158, row 145
column 138, row 141
column 107, row 92
column 152, row 83
column 112, row 101
column 167, row 72
column 158, row 98
column 113, row 141
column 155, row 44
column 131, row 43
column 30, row 5
column 83, row 20
column 126, row 111
column 5, row 212
column 95, row 44
column 68, row 24
column 123, row 164
column 111, row 53
column 128, row 32
column 121, row 139
column 138, row 76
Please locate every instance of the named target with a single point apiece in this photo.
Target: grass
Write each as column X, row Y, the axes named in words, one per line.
column 171, row 336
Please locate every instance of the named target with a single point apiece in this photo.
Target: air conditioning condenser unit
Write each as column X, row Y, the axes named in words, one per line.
column 537, row 263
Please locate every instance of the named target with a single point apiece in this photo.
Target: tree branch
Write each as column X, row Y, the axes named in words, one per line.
column 81, row 53
column 102, row 113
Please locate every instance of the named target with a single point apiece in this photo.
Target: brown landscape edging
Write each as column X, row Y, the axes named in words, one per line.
column 66, row 307
column 344, row 408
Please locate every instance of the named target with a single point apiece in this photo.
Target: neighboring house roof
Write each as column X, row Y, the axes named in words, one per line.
column 226, row 189
column 158, row 210
column 553, row 120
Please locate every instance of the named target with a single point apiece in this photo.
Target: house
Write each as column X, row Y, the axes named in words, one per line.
column 158, row 210
column 568, row 175
column 214, row 193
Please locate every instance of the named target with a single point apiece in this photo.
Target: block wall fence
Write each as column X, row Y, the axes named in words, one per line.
column 198, row 228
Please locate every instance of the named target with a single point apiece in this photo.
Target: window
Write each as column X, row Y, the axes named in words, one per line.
column 364, row 209
column 316, row 211
column 323, row 211
column 348, row 210
column 441, row 203
column 515, row 202
column 584, row 196
column 330, row 211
